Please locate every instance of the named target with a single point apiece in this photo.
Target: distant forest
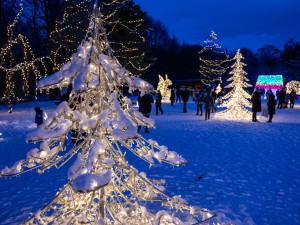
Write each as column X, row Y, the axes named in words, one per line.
column 47, row 33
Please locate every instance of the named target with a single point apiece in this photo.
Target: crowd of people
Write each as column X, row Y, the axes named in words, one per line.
column 206, row 99
column 282, row 97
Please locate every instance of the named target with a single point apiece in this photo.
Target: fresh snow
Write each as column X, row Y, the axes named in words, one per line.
column 248, row 173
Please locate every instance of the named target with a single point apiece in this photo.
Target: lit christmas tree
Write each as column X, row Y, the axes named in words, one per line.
column 103, row 188
column 293, row 85
column 237, row 99
column 163, row 85
column 20, row 68
column 212, row 61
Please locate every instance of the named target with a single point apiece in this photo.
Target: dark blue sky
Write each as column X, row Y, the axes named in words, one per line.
column 238, row 23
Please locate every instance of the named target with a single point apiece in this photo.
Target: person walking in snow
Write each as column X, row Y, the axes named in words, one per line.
column 271, row 104
column 172, row 98
column 185, row 97
column 256, row 105
column 178, row 94
column 145, row 107
column 158, row 102
column 208, row 104
column 199, row 100
column 292, row 97
column 214, row 97
column 38, row 116
column 281, row 98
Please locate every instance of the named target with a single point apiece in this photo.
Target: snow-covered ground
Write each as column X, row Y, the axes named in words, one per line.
column 249, row 172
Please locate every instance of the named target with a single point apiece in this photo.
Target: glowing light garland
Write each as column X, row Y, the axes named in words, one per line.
column 237, row 99
column 212, row 61
column 28, row 69
column 163, row 85
column 103, row 188
column 293, row 85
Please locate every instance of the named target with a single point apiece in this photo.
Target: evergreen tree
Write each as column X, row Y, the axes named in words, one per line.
column 212, row 62
column 103, row 188
column 237, row 99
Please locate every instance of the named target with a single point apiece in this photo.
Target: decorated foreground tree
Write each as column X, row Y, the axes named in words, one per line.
column 237, row 99
column 103, row 187
column 163, row 85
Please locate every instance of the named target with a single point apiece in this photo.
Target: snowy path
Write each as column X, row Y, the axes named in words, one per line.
column 249, row 171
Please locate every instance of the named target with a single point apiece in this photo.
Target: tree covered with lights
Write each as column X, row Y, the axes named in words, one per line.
column 293, row 85
column 212, row 61
column 163, row 87
column 126, row 31
column 20, row 70
column 237, row 99
column 103, row 187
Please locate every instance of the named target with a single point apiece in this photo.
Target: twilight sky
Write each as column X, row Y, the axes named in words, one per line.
column 238, row 23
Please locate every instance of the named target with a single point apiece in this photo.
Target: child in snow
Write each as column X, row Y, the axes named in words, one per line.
column 286, row 100
column 38, row 116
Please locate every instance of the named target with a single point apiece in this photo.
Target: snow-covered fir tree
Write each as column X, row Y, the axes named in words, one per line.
column 163, row 85
column 212, row 61
column 103, row 187
column 237, row 99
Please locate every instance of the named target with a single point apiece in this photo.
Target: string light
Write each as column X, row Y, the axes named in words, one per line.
column 293, row 85
column 237, row 99
column 212, row 61
column 162, row 86
column 103, row 188
column 130, row 49
column 28, row 69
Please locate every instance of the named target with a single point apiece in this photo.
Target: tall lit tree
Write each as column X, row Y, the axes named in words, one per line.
column 212, row 61
column 237, row 99
column 103, row 188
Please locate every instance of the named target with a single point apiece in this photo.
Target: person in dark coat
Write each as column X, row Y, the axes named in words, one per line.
column 145, row 107
column 158, row 102
column 172, row 98
column 214, row 96
column 208, row 104
column 256, row 104
column 281, row 98
column 38, row 116
column 292, row 97
column 271, row 104
column 185, row 97
column 178, row 94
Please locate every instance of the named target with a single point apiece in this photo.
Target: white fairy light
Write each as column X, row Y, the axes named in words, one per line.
column 103, row 188
column 237, row 99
